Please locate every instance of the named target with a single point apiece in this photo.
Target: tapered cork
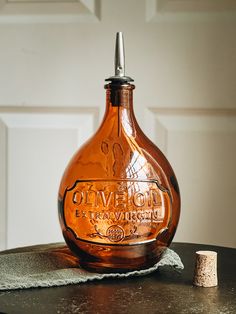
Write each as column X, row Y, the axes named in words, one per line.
column 205, row 274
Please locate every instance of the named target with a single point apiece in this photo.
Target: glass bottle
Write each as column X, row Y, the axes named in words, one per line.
column 119, row 201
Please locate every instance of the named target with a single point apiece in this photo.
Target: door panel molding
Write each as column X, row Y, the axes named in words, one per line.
column 201, row 146
column 49, row 11
column 35, row 145
column 189, row 10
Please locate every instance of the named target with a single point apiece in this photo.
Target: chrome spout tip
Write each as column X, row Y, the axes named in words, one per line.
column 119, row 55
column 119, row 76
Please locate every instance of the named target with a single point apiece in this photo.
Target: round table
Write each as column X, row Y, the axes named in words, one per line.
column 165, row 291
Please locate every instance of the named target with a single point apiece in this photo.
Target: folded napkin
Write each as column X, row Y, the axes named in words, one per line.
column 54, row 265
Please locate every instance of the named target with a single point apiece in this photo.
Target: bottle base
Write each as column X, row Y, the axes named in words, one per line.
column 119, row 258
column 111, row 268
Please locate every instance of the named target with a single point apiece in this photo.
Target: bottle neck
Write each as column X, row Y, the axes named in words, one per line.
column 118, row 95
column 119, row 116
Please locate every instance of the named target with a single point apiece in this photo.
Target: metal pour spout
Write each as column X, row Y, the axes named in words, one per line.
column 119, row 55
column 119, row 76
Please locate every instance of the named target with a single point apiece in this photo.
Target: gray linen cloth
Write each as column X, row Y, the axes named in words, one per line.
column 54, row 265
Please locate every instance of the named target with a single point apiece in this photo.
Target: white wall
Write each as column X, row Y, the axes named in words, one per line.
column 54, row 58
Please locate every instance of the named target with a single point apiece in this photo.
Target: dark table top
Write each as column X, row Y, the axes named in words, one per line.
column 165, row 291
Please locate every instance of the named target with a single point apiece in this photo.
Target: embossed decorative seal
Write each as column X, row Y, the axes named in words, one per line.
column 115, row 233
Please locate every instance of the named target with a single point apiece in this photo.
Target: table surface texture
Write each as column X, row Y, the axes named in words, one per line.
column 165, row 291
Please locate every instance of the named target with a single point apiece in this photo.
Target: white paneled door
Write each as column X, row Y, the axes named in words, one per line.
column 37, row 147
column 54, row 57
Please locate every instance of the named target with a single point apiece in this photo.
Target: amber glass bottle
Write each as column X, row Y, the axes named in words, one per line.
column 119, row 201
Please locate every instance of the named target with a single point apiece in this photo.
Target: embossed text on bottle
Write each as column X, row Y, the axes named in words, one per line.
column 118, row 211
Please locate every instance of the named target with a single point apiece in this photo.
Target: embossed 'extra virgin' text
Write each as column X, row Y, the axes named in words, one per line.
column 117, row 211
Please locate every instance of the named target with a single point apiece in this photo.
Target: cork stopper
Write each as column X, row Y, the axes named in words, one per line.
column 205, row 274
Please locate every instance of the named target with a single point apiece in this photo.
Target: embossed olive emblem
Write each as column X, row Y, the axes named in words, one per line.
column 115, row 233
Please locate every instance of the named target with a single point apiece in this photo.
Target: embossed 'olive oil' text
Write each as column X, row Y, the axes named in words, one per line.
column 116, row 210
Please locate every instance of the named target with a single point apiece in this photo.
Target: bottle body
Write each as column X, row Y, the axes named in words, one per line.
column 119, row 201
